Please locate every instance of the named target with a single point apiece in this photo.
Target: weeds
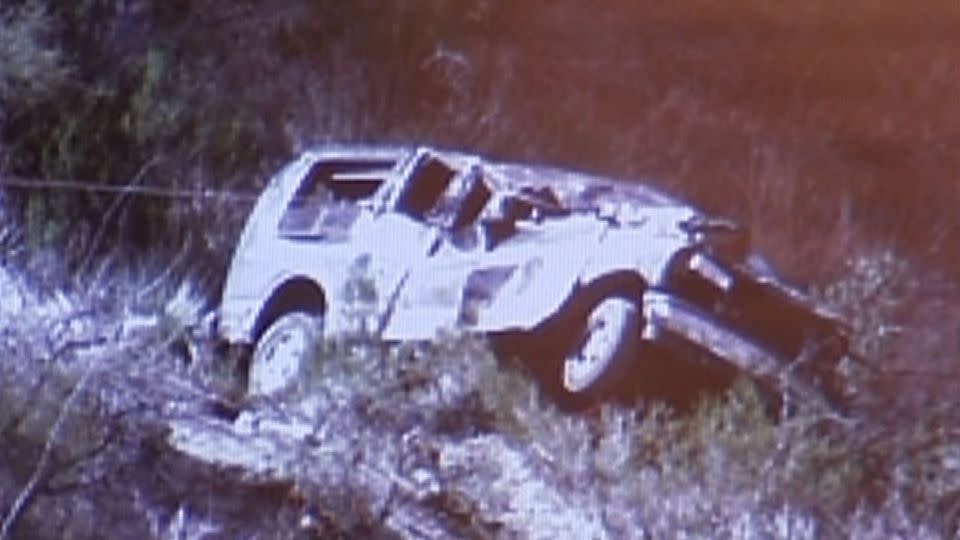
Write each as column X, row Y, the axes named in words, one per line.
column 725, row 470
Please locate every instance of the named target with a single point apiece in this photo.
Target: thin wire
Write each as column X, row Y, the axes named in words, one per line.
column 142, row 191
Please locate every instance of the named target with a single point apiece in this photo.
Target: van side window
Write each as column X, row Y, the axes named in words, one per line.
column 329, row 185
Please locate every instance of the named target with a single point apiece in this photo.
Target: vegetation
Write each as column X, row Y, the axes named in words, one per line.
column 800, row 120
column 827, row 127
column 726, row 469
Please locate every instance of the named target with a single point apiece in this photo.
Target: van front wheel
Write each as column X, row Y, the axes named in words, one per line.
column 608, row 339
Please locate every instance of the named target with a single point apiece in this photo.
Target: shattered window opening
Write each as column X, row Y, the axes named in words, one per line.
column 473, row 200
column 425, row 188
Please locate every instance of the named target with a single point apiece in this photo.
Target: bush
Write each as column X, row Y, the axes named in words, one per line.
column 726, row 469
column 870, row 295
column 32, row 67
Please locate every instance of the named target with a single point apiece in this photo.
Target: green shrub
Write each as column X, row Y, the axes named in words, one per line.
column 869, row 296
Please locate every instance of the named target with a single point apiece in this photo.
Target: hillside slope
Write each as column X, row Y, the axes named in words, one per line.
column 115, row 425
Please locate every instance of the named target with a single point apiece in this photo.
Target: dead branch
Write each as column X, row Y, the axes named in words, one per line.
column 26, row 495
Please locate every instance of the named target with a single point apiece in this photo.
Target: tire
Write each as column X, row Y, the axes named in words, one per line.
column 607, row 341
column 545, row 350
column 283, row 353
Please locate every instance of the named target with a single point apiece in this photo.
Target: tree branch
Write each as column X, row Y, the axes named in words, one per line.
column 26, row 495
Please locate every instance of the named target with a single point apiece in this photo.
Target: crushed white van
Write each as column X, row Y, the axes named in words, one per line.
column 405, row 243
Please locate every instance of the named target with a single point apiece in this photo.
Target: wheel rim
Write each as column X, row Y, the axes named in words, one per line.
column 278, row 358
column 603, row 333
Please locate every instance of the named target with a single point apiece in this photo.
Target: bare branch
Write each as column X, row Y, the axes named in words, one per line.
column 26, row 495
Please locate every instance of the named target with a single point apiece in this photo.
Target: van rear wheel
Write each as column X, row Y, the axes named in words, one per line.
column 283, row 353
